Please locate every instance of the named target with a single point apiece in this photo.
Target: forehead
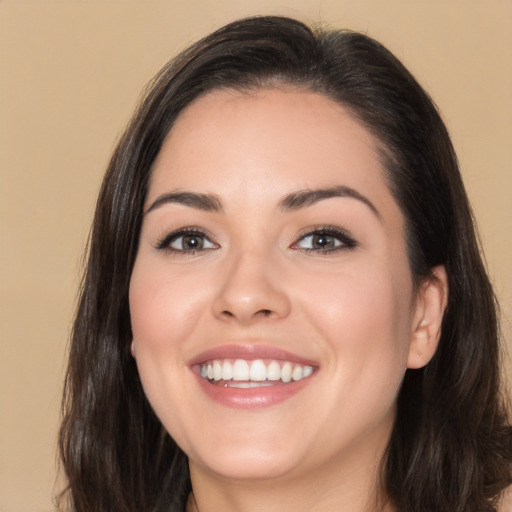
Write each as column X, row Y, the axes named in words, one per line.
column 265, row 142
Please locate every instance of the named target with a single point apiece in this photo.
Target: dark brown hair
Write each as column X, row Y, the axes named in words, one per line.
column 450, row 450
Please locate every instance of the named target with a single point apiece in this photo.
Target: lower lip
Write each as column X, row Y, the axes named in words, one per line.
column 252, row 398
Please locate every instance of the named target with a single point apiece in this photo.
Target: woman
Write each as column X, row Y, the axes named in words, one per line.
column 284, row 304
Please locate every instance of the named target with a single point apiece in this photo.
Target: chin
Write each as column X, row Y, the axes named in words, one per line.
column 239, row 454
column 248, row 465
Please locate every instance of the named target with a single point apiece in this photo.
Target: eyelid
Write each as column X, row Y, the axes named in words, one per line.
column 347, row 241
column 341, row 235
column 164, row 244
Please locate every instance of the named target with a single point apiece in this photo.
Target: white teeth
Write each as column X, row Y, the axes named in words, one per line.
column 297, row 373
column 227, row 371
column 308, row 370
column 217, row 370
column 258, row 371
column 253, row 373
column 249, row 384
column 286, row 372
column 240, row 370
column 274, row 371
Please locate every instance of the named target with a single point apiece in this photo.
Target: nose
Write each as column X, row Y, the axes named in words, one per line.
column 250, row 290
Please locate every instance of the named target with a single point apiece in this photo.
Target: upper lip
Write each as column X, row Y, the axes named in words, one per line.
column 249, row 352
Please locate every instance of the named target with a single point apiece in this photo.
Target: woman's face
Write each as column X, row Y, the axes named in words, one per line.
column 271, row 300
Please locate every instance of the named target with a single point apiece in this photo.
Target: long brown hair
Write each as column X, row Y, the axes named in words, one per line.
column 450, row 450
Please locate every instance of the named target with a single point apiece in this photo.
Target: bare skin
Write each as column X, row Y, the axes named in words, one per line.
column 249, row 257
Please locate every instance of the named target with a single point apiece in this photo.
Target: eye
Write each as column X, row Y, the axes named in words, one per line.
column 187, row 240
column 325, row 240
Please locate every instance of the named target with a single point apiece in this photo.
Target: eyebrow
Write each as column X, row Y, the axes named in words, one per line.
column 291, row 202
column 206, row 202
column 304, row 198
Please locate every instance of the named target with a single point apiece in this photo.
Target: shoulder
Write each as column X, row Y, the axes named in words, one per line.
column 506, row 501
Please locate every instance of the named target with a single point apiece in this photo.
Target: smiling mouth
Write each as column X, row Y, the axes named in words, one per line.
column 241, row 373
column 252, row 376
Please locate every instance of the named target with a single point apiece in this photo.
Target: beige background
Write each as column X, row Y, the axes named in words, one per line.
column 70, row 74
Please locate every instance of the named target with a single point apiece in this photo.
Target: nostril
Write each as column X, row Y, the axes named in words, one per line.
column 260, row 313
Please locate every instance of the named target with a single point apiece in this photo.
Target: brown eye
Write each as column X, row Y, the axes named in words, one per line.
column 186, row 241
column 189, row 242
column 319, row 242
column 325, row 240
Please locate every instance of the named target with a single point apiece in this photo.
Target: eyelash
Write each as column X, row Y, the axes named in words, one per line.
column 165, row 243
column 346, row 242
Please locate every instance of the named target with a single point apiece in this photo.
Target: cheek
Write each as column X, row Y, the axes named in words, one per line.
column 163, row 305
column 164, row 315
column 163, row 310
column 364, row 312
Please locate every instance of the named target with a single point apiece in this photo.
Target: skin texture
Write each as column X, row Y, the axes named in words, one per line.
column 352, row 311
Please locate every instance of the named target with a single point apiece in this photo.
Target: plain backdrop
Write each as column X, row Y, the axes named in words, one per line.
column 71, row 72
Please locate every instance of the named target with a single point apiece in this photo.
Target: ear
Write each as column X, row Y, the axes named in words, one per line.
column 132, row 348
column 427, row 319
